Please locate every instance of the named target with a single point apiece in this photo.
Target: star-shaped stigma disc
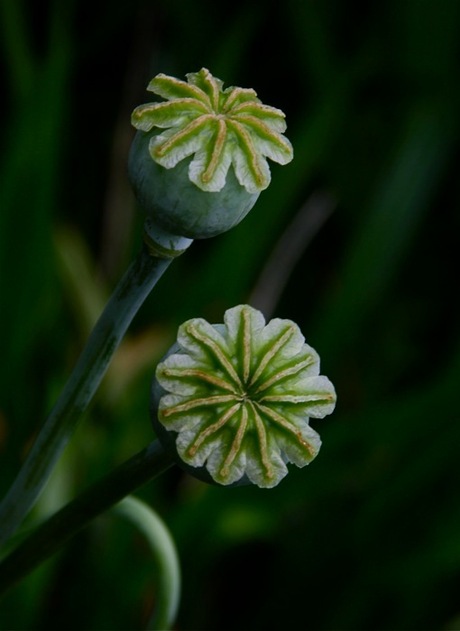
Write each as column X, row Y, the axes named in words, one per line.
column 240, row 395
column 219, row 127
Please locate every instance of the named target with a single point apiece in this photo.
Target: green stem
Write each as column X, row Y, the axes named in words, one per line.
column 126, row 300
column 53, row 533
column 167, row 593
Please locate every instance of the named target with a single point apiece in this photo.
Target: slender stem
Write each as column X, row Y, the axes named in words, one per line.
column 166, row 560
column 53, row 533
column 127, row 298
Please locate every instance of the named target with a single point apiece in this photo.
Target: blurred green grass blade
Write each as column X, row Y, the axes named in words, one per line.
column 428, row 40
column 85, row 290
column 386, row 232
column 315, row 44
column 165, row 558
column 18, row 55
column 29, row 185
column 288, row 250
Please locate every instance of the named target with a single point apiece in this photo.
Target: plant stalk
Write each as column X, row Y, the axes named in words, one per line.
column 107, row 334
column 54, row 532
column 163, row 549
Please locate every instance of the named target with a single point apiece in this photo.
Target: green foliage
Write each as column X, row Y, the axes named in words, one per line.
column 367, row 537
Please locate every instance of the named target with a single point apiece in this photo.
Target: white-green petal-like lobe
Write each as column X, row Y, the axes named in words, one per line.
column 294, row 339
column 211, row 86
column 235, row 319
column 185, row 441
column 202, row 341
column 198, row 442
column 271, row 116
column 179, row 422
column 215, row 466
column 207, row 174
column 166, row 114
column 171, row 88
column 251, row 169
column 209, row 168
column 257, row 471
column 234, row 96
column 174, row 145
column 269, row 143
column 170, row 158
column 197, row 337
column 170, row 376
column 322, row 389
column 185, row 376
column 302, row 450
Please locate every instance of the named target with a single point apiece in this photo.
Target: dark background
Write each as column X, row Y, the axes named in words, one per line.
column 368, row 536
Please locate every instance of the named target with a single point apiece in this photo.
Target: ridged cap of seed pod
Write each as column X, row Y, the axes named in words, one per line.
column 198, row 161
column 233, row 401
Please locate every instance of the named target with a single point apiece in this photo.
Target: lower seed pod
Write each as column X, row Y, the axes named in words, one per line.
column 233, row 401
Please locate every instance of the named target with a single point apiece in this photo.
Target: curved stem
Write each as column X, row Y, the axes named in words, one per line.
column 166, row 560
column 53, row 533
column 127, row 298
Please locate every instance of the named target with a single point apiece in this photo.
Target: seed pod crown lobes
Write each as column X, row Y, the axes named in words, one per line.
column 198, row 161
column 232, row 401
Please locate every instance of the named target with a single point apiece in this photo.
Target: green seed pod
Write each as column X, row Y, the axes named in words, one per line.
column 198, row 161
column 232, row 401
column 177, row 205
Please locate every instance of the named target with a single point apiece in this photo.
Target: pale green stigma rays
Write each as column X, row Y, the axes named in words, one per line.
column 240, row 396
column 219, row 128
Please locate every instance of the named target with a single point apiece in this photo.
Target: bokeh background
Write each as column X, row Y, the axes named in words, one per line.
column 356, row 240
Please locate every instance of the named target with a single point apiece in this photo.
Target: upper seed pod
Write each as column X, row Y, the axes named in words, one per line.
column 233, row 401
column 199, row 159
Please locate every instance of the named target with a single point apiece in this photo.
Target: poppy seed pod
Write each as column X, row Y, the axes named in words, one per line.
column 232, row 401
column 178, row 206
column 198, row 161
